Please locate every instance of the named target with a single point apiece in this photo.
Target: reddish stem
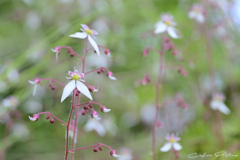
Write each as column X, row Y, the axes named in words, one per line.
column 69, row 119
column 95, row 145
column 97, row 70
column 48, row 113
column 72, row 51
column 50, row 79
column 98, row 46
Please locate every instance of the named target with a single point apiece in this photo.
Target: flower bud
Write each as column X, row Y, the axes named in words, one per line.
column 90, row 106
column 175, row 52
column 95, row 149
column 69, row 51
column 113, row 153
column 145, row 51
column 52, row 121
column 107, row 52
column 185, row 106
column 95, row 115
column 37, row 80
column 159, row 124
column 184, row 73
column 99, row 71
column 104, row 109
column 85, row 107
column 109, row 74
column 35, row 117
column 83, row 112
column 72, row 54
column 100, row 148
column 53, row 87
column 92, row 89
column 47, row 117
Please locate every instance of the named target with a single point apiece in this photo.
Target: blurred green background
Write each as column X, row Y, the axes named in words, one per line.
column 30, row 29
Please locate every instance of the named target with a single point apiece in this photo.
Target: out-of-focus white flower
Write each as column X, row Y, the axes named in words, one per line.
column 35, row 83
column 172, row 143
column 93, row 124
column 104, row 109
column 217, row 103
column 125, row 154
column 20, row 131
column 10, row 102
column 75, row 78
column 197, row 12
column 87, row 33
column 3, row 86
column 13, row 75
column 167, row 24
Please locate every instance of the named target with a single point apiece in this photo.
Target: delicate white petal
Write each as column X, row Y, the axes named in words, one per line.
column 223, row 108
column 68, row 89
column 56, row 55
column 96, row 117
column 94, row 44
column 31, row 118
column 54, row 50
column 80, row 35
column 160, row 27
column 84, row 26
column 95, row 125
column 83, row 89
column 115, row 155
column 177, row 146
column 166, row 147
column 200, row 18
column 191, row 15
column 112, row 78
column 32, row 82
column 35, row 89
column 100, row 130
column 106, row 110
column 214, row 104
column 173, row 32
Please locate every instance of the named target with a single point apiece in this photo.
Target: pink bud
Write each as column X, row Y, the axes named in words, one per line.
column 52, row 121
column 92, row 89
column 104, row 109
column 57, row 48
column 113, row 153
column 72, row 54
column 53, row 87
column 47, row 117
column 159, row 124
column 185, row 106
column 34, row 118
column 184, row 73
column 95, row 149
column 107, row 52
column 145, row 51
column 95, row 115
column 175, row 52
column 37, row 80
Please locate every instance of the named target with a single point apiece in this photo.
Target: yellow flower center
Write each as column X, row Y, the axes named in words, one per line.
column 88, row 31
column 75, row 76
column 168, row 23
column 172, row 140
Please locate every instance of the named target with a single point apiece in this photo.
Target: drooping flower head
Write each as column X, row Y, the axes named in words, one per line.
column 167, row 24
column 217, row 103
column 76, row 78
column 172, row 143
column 197, row 12
column 57, row 50
column 87, row 33
column 35, row 83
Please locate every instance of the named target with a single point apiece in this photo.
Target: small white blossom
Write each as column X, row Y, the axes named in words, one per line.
column 87, row 33
column 217, row 103
column 172, row 143
column 197, row 13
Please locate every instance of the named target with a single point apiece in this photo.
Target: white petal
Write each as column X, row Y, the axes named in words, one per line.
column 94, row 44
column 95, row 125
column 34, row 89
column 100, row 130
column 191, row 15
column 96, row 117
column 56, row 55
column 112, row 78
column 173, row 32
column 223, row 108
column 32, row 82
column 54, row 50
column 106, row 110
column 115, row 155
column 68, row 89
column 83, row 89
column 31, row 118
column 160, row 27
column 80, row 35
column 166, row 147
column 177, row 146
column 214, row 104
column 200, row 18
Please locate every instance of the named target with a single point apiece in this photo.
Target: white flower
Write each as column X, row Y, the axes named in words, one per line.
column 217, row 103
column 104, row 109
column 10, row 102
column 35, row 117
column 87, row 33
column 167, row 24
column 197, row 13
column 172, row 143
column 113, row 153
column 110, row 76
column 35, row 83
column 93, row 124
column 125, row 154
column 75, row 78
